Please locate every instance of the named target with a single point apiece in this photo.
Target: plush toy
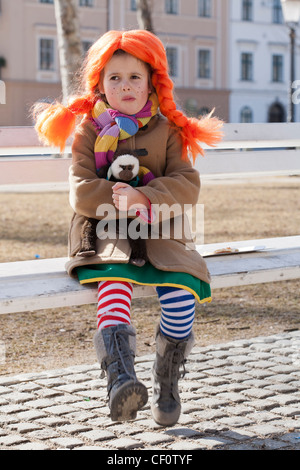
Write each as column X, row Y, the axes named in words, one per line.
column 125, row 167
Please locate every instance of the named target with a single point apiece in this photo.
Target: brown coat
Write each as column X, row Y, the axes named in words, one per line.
column 176, row 183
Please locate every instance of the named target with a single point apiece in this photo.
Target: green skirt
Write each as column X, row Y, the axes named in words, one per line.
column 146, row 275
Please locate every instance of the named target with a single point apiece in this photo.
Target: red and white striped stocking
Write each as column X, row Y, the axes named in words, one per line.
column 114, row 302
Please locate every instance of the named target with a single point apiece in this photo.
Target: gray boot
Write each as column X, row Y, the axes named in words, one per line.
column 115, row 347
column 170, row 355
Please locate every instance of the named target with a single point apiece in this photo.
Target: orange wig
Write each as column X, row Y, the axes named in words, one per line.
column 55, row 124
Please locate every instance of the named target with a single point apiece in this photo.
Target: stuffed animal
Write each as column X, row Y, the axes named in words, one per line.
column 125, row 167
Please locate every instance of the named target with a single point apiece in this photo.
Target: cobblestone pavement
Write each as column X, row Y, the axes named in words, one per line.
column 242, row 395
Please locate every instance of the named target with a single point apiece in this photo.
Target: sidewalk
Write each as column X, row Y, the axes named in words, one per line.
column 242, row 395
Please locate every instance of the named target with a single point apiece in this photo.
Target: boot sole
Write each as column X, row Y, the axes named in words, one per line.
column 164, row 418
column 129, row 399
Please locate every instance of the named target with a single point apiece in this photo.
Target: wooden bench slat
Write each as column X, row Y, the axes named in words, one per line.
column 275, row 243
column 42, row 284
column 246, row 269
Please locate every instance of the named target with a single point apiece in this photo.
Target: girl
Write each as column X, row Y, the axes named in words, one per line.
column 128, row 103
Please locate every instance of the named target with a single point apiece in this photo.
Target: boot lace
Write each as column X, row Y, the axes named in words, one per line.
column 119, row 342
column 174, row 363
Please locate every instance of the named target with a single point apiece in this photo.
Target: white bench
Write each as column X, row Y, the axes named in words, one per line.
column 247, row 148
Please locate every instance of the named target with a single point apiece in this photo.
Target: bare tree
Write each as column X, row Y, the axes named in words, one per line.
column 69, row 41
column 144, row 16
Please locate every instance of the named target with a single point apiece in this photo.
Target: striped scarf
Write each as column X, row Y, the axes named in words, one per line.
column 113, row 126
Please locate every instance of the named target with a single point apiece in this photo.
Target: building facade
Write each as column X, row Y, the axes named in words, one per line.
column 259, row 65
column 194, row 32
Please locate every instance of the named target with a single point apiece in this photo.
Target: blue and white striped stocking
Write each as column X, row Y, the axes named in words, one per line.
column 177, row 312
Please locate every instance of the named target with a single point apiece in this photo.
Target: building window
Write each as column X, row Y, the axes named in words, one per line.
column 204, row 8
column 246, row 66
column 46, row 1
column 276, row 113
column 191, row 107
column 204, row 64
column 171, row 7
column 46, row 54
column 247, row 10
column 172, row 56
column 86, row 3
column 86, row 45
column 246, row 115
column 204, row 111
column 277, row 68
column 277, row 12
column 133, row 6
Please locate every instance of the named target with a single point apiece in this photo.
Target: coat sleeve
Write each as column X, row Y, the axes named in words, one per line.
column 178, row 187
column 87, row 190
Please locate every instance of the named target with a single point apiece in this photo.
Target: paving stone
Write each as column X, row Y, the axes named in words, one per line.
column 242, row 395
column 97, row 435
column 271, row 444
column 74, row 428
column 80, row 416
column 292, row 438
column 44, row 434
column 185, row 446
column 262, row 405
column 236, row 421
column 19, row 397
column 12, row 439
column 264, row 429
column 52, row 421
column 211, row 443
column 183, row 432
column 59, row 409
column 31, row 415
column 32, row 446
column 240, row 447
column 66, row 442
column 126, row 443
column 287, row 411
column 23, row 428
column 40, row 403
column 282, row 388
column 153, row 438
column 284, row 400
column 4, row 390
column 258, row 393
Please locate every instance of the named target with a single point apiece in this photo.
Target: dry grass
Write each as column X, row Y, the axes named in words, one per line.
column 37, row 224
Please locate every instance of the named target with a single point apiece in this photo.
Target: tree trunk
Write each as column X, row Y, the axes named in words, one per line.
column 69, row 42
column 144, row 15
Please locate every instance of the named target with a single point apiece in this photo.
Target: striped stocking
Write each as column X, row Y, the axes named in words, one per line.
column 177, row 312
column 177, row 308
column 114, row 302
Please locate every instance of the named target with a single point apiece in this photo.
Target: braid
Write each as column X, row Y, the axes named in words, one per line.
column 56, row 122
column 192, row 130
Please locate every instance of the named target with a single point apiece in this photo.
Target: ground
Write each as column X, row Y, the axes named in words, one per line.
column 35, row 225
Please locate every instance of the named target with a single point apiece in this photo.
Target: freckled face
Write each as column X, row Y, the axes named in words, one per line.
column 125, row 84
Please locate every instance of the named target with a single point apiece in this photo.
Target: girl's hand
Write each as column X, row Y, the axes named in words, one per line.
column 125, row 197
